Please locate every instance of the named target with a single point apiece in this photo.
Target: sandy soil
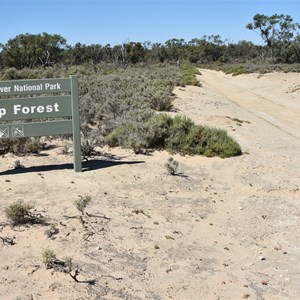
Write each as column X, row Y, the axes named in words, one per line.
column 221, row 229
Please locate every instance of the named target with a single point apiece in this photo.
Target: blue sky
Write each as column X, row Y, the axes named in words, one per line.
column 117, row 21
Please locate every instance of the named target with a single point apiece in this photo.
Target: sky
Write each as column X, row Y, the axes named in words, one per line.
column 117, row 21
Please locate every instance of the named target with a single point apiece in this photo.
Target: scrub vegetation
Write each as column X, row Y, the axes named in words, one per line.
column 126, row 107
column 125, row 88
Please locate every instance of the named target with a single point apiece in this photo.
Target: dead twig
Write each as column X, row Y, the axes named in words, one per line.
column 75, row 275
column 8, row 240
column 98, row 216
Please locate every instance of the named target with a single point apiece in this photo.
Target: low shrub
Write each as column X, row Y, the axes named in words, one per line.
column 51, row 261
column 178, row 135
column 180, row 129
column 21, row 146
column 90, row 139
column 235, row 71
column 20, row 213
column 158, row 130
column 187, row 138
column 187, row 75
column 49, row 258
column 82, row 203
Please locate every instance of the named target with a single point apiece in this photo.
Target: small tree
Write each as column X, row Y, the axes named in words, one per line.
column 33, row 50
column 274, row 30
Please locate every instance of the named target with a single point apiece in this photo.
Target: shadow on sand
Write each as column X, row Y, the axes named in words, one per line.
column 90, row 165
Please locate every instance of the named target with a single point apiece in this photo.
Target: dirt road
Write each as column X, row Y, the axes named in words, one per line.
column 259, row 96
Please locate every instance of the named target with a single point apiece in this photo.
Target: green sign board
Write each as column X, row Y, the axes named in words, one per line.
column 41, row 105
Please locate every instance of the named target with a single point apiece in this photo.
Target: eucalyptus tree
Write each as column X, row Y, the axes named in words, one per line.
column 157, row 53
column 174, row 48
column 275, row 31
column 32, row 50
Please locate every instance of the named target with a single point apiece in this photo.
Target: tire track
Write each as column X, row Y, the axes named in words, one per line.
column 278, row 115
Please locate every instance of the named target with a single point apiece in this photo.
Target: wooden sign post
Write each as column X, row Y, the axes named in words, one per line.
column 39, row 107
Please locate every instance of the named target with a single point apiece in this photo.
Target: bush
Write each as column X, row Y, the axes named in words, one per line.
column 90, row 139
column 82, row 203
column 52, row 262
column 218, row 143
column 117, row 107
column 187, row 75
column 177, row 135
column 49, row 258
column 176, row 140
column 21, row 146
column 20, row 213
column 158, row 129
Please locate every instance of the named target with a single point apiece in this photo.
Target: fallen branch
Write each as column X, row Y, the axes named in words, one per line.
column 75, row 275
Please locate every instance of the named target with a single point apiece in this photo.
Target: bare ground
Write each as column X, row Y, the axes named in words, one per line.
column 221, row 229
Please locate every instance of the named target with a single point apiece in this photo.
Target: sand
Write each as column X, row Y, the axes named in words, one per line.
column 220, row 229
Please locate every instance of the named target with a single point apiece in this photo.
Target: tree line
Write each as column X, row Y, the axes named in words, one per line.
column 279, row 34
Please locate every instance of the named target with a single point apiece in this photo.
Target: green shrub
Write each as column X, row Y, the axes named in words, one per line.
column 259, row 66
column 110, row 98
column 82, row 203
column 10, row 74
column 20, row 213
column 52, row 262
column 178, row 135
column 176, row 140
column 235, row 71
column 194, row 143
column 158, row 130
column 220, row 144
column 187, row 75
column 130, row 134
column 113, row 139
column 49, row 258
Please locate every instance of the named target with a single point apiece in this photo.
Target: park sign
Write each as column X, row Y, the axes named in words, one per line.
column 41, row 99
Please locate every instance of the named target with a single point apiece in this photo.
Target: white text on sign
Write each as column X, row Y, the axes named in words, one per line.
column 19, row 109
column 31, row 88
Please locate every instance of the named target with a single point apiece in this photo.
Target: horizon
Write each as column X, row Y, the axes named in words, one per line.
column 115, row 22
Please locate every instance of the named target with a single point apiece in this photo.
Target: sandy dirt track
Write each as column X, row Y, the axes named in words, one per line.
column 221, row 229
